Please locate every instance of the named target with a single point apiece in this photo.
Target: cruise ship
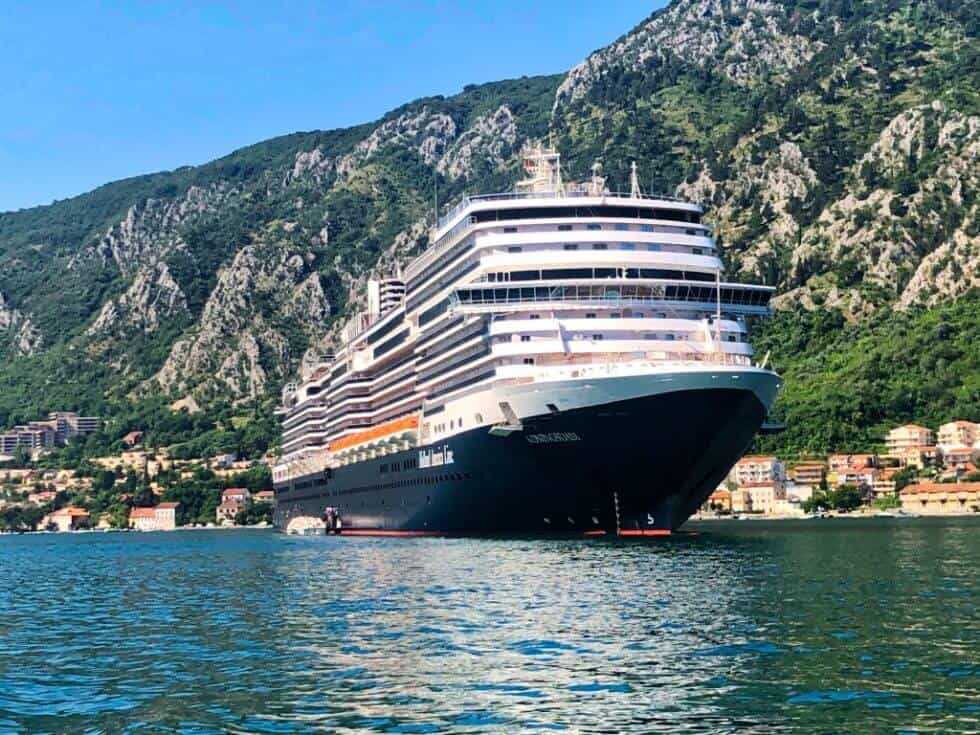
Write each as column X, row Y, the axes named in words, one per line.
column 560, row 359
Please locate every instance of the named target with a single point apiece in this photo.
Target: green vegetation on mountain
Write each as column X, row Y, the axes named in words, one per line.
column 848, row 384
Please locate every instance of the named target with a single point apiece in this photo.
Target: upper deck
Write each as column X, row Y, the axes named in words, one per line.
column 556, row 204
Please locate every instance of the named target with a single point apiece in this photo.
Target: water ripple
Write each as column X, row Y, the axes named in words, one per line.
column 738, row 629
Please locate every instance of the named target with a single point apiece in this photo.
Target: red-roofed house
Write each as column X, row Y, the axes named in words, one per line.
column 749, row 470
column 133, row 438
column 264, row 496
column 947, row 498
column 841, row 462
column 66, row 519
column 909, row 435
column 857, row 475
column 958, row 458
column 226, row 513
column 958, row 434
column 764, row 496
column 719, row 500
column 162, row 517
column 238, row 494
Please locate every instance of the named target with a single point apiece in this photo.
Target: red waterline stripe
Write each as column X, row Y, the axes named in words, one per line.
column 645, row 532
column 600, row 532
column 383, row 532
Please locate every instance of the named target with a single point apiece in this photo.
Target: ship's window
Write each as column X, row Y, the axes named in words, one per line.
column 570, row 246
column 646, row 228
column 525, row 338
column 653, row 248
column 597, row 337
column 510, row 230
column 691, row 232
column 564, row 228
column 669, row 337
column 479, row 418
column 697, row 251
column 528, row 360
column 534, row 316
column 552, row 407
column 615, row 315
column 731, row 338
column 590, row 315
column 593, row 227
column 637, row 314
column 622, row 227
column 628, row 246
column 599, row 246
column 514, row 249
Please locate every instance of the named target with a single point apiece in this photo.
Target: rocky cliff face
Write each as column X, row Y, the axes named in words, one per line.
column 243, row 339
column 17, row 330
column 904, row 227
column 152, row 298
column 746, row 40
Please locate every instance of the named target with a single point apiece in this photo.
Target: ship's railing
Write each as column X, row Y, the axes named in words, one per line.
column 627, row 363
column 567, row 194
column 304, row 464
column 489, row 299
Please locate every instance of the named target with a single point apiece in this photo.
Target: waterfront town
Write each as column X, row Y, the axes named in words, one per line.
column 138, row 488
column 919, row 472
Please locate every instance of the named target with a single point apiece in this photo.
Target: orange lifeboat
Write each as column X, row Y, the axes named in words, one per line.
column 407, row 423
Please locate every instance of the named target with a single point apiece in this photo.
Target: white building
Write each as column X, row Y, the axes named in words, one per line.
column 753, row 470
column 958, row 435
column 162, row 517
column 907, row 437
column 766, row 496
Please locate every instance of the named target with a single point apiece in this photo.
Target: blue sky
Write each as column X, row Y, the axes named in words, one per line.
column 97, row 91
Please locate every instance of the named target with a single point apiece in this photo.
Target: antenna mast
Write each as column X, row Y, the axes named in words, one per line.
column 634, row 183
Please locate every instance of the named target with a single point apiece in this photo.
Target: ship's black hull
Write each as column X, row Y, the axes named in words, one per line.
column 638, row 466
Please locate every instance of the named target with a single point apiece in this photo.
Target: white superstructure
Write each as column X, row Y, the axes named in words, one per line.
column 544, row 299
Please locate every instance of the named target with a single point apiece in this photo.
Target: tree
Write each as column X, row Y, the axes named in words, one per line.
column 105, row 480
column 905, row 477
column 815, row 503
column 22, row 456
column 847, row 498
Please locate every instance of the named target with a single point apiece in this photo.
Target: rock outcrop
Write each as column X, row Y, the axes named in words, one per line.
column 263, row 298
column 489, row 141
column 17, row 330
column 151, row 229
column 152, row 298
column 747, row 40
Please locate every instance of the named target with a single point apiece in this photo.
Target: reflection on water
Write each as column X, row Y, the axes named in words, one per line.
column 835, row 626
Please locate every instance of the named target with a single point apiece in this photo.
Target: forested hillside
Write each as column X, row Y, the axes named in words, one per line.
column 835, row 144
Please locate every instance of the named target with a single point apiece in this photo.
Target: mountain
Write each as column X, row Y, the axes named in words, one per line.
column 834, row 142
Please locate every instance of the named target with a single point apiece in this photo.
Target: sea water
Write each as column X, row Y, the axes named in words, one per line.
column 830, row 626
